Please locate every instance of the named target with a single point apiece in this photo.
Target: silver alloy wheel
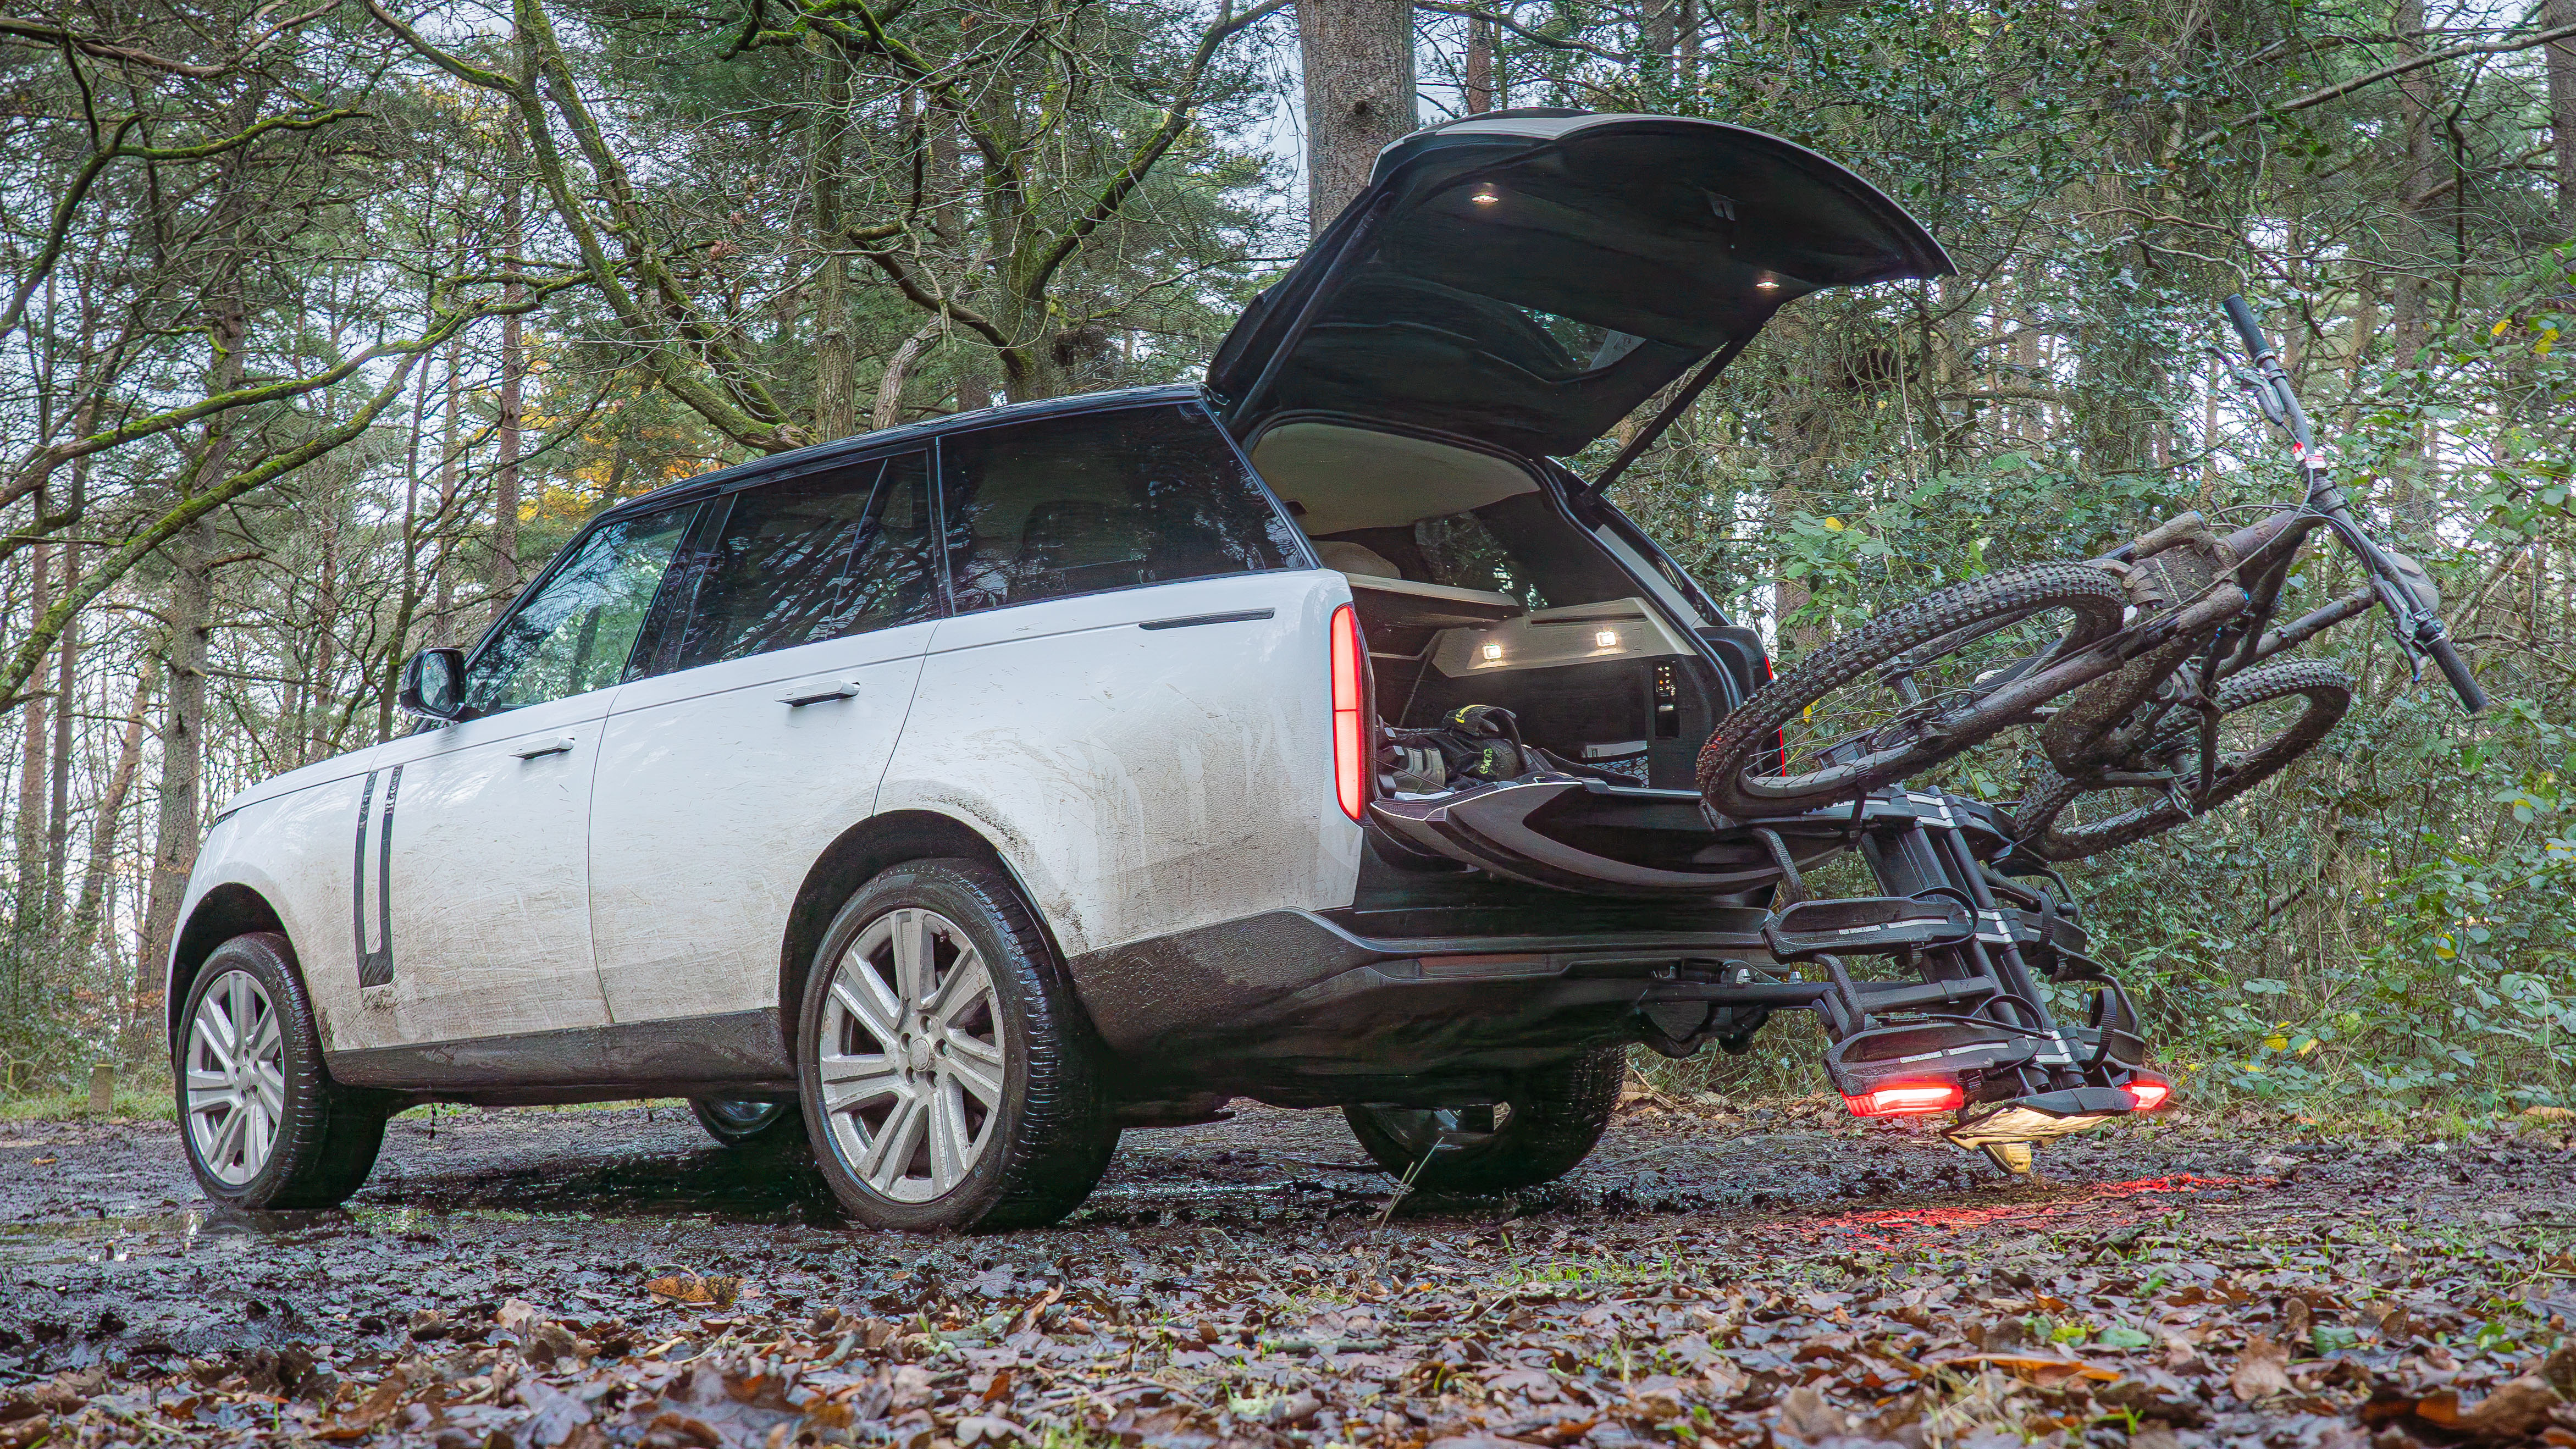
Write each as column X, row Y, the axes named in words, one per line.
column 912, row 1055
column 743, row 1116
column 236, row 1078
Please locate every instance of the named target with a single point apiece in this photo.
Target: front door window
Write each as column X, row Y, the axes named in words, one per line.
column 576, row 633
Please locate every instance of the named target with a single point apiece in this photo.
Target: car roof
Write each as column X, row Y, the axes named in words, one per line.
column 891, row 440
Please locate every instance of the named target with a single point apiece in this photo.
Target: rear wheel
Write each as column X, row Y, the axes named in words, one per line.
column 2268, row 717
column 949, row 1079
column 761, row 1125
column 1553, row 1118
column 1895, row 697
column 263, row 1123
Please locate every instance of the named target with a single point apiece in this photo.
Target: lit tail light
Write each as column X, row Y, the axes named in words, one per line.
column 1907, row 1099
column 2146, row 1094
column 1350, row 713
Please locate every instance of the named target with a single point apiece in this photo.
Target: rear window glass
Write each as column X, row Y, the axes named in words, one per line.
column 1080, row 505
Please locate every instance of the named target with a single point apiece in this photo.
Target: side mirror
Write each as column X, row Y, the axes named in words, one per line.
column 433, row 684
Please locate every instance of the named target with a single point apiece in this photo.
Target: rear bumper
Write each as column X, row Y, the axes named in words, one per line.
column 1297, row 1007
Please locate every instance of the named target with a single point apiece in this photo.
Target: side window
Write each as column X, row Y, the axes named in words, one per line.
column 1103, row 501
column 575, row 633
column 808, row 559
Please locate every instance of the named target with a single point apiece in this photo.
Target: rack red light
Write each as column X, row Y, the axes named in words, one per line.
column 1907, row 1099
column 2146, row 1094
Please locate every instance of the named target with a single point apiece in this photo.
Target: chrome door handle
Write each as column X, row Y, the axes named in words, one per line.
column 817, row 693
column 558, row 746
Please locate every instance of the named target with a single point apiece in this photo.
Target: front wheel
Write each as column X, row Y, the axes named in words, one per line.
column 2267, row 718
column 1550, row 1123
column 264, row 1125
column 1902, row 692
column 948, row 1077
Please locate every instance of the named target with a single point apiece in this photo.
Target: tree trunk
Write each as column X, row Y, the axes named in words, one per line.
column 505, row 479
column 36, row 746
column 1480, row 66
column 2410, row 302
column 2562, row 109
column 91, row 909
column 442, row 627
column 889, row 409
column 836, row 359
column 58, row 812
column 1358, row 58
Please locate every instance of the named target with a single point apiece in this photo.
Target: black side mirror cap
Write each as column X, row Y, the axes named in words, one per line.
column 433, row 684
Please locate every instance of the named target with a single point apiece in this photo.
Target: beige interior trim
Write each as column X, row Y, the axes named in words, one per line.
column 1340, row 478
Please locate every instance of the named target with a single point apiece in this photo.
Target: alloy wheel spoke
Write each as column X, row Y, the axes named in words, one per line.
column 891, row 1153
column 950, row 1151
column 968, row 983
column 859, row 991
column 858, row 1080
column 227, row 1136
column 271, row 1085
column 264, row 1039
column 215, row 1034
column 915, row 948
column 975, row 1066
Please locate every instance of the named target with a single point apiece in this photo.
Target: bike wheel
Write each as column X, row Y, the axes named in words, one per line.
column 1893, row 697
column 2268, row 717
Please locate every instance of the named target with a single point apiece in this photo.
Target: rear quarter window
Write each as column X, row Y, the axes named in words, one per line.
column 1081, row 505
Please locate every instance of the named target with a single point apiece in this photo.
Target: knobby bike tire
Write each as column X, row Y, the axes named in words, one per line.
column 1749, row 735
column 2329, row 694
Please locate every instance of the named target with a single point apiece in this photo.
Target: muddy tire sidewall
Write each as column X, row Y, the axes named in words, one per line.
column 1052, row 1133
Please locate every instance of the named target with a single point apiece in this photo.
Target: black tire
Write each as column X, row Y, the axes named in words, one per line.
column 753, row 1126
column 1038, row 1147
column 1555, row 1116
column 2063, row 819
column 322, row 1137
column 1764, row 758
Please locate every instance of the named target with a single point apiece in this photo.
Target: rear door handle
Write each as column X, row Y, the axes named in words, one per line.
column 806, row 694
column 558, row 746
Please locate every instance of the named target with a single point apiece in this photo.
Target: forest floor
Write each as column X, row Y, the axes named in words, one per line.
column 1783, row 1275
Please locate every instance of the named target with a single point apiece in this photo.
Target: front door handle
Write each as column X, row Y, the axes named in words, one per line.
column 562, row 744
column 806, row 694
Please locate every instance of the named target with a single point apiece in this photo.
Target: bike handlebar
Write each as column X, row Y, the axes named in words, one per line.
column 2415, row 620
column 2243, row 316
column 2456, row 669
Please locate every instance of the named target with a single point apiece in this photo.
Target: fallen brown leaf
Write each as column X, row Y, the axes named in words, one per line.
column 2262, row 1370
column 696, row 1290
column 2035, row 1366
column 377, row 1407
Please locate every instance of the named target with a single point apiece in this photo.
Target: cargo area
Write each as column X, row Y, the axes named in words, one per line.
column 1540, row 699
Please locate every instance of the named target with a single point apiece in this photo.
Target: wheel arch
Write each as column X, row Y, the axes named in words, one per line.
column 228, row 910
column 854, row 858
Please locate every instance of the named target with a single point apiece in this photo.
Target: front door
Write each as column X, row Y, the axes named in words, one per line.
column 760, row 737
column 470, row 898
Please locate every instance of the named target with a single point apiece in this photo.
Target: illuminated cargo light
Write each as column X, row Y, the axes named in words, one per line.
column 1607, row 639
column 1907, row 1099
column 1492, row 652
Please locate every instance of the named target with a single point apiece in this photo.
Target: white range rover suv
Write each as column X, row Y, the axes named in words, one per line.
column 952, row 797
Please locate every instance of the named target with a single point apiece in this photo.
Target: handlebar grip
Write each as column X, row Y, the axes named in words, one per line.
column 2243, row 317
column 2456, row 669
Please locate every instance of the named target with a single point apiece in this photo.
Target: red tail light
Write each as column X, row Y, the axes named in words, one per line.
column 1350, row 717
column 1907, row 1099
column 2147, row 1093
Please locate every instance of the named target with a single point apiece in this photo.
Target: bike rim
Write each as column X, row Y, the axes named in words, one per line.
column 235, row 1078
column 912, row 1058
column 1887, row 720
column 2256, row 739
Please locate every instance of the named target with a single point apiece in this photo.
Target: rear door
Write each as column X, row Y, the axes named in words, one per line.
column 1132, row 699
column 761, row 734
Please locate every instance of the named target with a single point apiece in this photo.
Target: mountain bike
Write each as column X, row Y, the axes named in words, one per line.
column 2145, row 671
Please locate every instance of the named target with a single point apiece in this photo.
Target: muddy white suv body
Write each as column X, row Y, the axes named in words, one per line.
column 975, row 788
